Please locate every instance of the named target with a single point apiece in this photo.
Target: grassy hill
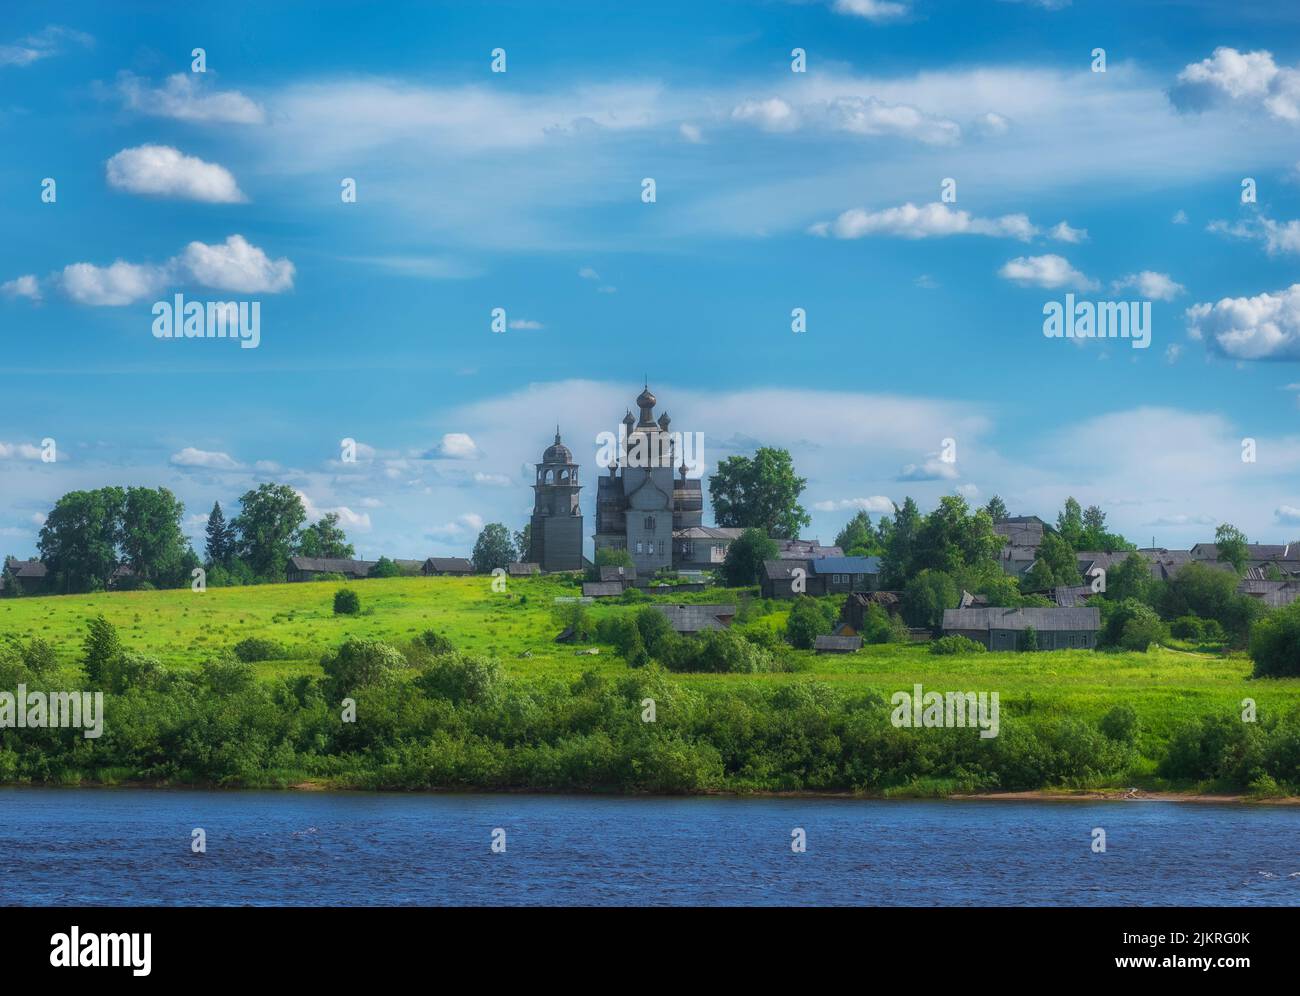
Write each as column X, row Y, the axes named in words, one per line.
column 1166, row 688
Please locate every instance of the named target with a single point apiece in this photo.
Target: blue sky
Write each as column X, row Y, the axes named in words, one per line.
column 775, row 190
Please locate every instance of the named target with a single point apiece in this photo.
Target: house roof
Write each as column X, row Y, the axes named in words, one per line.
column 695, row 618
column 331, row 565
column 601, row 589
column 797, row 549
column 614, row 573
column 837, row 643
column 1072, row 595
column 34, row 569
column 846, row 565
column 708, row 532
column 459, row 564
column 1042, row 619
column 1021, row 530
column 523, row 568
column 782, row 570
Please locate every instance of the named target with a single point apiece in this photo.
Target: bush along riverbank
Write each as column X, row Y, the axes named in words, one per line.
column 424, row 716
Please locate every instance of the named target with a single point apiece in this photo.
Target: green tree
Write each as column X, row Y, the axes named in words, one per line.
column 80, row 538
column 926, row 596
column 858, row 538
column 745, row 556
column 268, row 521
column 493, row 548
column 359, row 664
column 1056, row 564
column 152, row 540
column 324, row 538
column 1233, row 547
column 805, row 623
column 100, row 649
column 896, row 563
column 1069, row 523
column 11, row 588
column 952, row 538
column 762, row 493
column 384, row 568
column 997, row 509
column 220, row 546
column 1131, row 579
column 1211, row 593
column 524, row 542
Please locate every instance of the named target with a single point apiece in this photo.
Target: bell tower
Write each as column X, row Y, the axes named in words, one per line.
column 556, row 533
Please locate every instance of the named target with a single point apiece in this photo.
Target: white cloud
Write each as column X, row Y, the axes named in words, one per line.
column 234, row 265
column 163, row 171
column 465, row 526
column 25, row 451
column 350, row 521
column 188, row 97
column 872, row 10
column 932, row 220
column 773, row 114
column 49, row 41
column 876, row 503
column 115, row 285
column 237, row 265
column 1180, row 217
column 992, row 123
column 932, row 469
column 1150, row 284
column 1239, row 78
column 495, row 480
column 587, row 273
column 1288, row 515
column 191, row 457
column 691, row 133
column 457, row 446
column 1049, row 271
column 1062, row 232
column 1173, row 352
column 25, row 286
column 1263, row 327
column 1277, row 236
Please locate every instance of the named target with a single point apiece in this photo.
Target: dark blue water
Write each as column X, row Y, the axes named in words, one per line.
column 86, row 846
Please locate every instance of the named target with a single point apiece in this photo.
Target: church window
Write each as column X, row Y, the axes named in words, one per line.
column 650, row 523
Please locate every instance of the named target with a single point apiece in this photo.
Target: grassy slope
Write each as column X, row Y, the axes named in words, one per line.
column 183, row 627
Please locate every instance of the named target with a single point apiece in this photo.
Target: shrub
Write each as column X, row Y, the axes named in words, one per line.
column 384, row 568
column 1188, row 628
column 436, row 643
column 1120, row 724
column 1028, row 640
column 360, row 663
column 258, row 648
column 461, row 677
column 38, row 656
column 879, row 626
column 1275, row 643
column 806, row 622
column 926, row 596
column 346, row 602
column 656, row 631
column 957, row 644
column 1143, row 629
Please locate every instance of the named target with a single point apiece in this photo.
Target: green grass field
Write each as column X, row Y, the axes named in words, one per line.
column 182, row 628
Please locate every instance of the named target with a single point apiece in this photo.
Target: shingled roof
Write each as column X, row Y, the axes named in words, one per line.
column 331, row 565
column 32, row 569
column 1042, row 619
column 696, row 618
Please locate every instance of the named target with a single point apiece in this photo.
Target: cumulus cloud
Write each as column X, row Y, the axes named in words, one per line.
column 1288, row 515
column 25, row 286
column 876, row 503
column 1150, row 284
column 932, row 469
column 933, row 220
column 357, row 522
column 163, row 171
column 211, row 460
column 1263, row 327
column 50, row 40
column 456, row 446
column 691, row 133
column 115, row 285
column 1062, row 232
column 773, row 114
column 24, row 451
column 188, row 97
column 1049, row 271
column 236, row 265
column 1241, row 79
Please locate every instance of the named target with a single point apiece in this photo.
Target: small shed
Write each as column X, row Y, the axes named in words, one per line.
column 837, row 644
column 1004, row 629
column 440, row 566
column 601, row 589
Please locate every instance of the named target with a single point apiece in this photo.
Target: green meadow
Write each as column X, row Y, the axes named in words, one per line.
column 182, row 629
